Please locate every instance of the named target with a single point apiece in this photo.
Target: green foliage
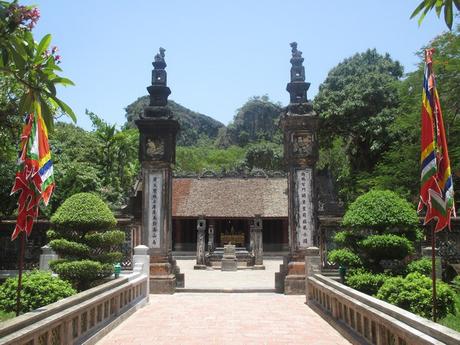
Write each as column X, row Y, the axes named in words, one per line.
column 441, row 6
column 387, row 246
column 83, row 212
column 366, row 282
column 381, row 210
column 357, row 103
column 31, row 64
column 264, row 155
column 452, row 320
column 413, row 293
column 69, row 248
column 255, row 121
column 82, row 273
column 422, row 266
column 38, row 289
column 84, row 239
column 344, row 257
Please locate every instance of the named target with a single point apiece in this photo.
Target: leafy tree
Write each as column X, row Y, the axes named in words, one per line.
column 439, row 5
column 399, row 167
column 84, row 238
column 31, row 64
column 256, row 120
column 264, row 155
column 357, row 102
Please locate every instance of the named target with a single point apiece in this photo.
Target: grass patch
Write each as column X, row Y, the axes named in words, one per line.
column 5, row 315
column 451, row 320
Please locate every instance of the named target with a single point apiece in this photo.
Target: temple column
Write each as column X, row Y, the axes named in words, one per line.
column 258, row 244
column 200, row 244
column 157, row 150
column 211, row 238
column 299, row 123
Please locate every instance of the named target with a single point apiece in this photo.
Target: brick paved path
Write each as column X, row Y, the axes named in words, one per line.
column 224, row 318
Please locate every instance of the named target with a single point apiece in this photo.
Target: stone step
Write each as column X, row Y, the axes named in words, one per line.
column 226, row 290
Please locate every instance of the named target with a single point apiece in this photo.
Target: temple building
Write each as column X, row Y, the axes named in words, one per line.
column 229, row 204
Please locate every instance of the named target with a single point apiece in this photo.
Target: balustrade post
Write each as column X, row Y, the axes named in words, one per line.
column 312, row 266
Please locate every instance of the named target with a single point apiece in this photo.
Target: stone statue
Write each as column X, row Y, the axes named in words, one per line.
column 295, row 52
column 160, row 57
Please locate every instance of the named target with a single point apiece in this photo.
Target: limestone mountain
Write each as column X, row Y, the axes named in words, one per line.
column 193, row 125
column 256, row 120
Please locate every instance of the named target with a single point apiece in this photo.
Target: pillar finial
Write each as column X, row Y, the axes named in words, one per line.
column 297, row 88
column 159, row 91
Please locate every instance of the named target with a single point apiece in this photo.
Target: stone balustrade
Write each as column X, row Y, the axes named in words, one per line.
column 85, row 317
column 368, row 320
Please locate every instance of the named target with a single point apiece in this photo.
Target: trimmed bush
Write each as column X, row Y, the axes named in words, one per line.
column 413, row 293
column 381, row 210
column 85, row 271
column 38, row 289
column 83, row 212
column 344, row 257
column 422, row 266
column 388, row 246
column 84, row 238
column 366, row 282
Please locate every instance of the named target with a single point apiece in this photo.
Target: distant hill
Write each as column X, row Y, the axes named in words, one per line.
column 193, row 125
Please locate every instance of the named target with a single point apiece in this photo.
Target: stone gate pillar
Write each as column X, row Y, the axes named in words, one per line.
column 258, row 244
column 157, row 151
column 299, row 123
column 200, row 244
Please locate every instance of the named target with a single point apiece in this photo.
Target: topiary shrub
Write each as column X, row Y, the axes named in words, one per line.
column 380, row 225
column 413, row 293
column 38, row 289
column 388, row 246
column 422, row 266
column 84, row 238
column 366, row 282
column 382, row 211
column 344, row 257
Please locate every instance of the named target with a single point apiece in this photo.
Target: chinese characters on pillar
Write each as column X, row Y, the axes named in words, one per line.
column 156, row 186
column 305, row 222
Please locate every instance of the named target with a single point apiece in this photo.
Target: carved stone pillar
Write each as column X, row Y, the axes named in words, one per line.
column 157, row 150
column 299, row 123
column 258, row 244
column 200, row 244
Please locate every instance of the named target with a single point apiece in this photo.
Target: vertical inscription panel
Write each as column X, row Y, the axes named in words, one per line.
column 304, row 208
column 155, row 207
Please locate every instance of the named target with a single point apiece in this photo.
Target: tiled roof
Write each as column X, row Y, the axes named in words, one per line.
column 230, row 197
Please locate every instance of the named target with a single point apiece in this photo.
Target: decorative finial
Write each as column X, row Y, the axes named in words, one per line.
column 159, row 91
column 297, row 88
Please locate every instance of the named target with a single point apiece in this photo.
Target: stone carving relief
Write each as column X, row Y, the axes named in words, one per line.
column 155, row 147
column 302, row 145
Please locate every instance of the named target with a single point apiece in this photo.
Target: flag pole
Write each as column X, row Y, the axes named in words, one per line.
column 433, row 269
column 20, row 268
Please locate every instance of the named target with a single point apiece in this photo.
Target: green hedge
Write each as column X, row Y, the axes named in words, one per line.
column 422, row 266
column 386, row 246
column 71, row 249
column 105, row 239
column 38, row 289
column 366, row 282
column 413, row 293
column 344, row 257
column 83, row 212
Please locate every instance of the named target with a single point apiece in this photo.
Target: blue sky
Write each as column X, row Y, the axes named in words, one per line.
column 219, row 53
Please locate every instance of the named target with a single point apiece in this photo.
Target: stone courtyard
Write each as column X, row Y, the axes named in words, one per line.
column 225, row 318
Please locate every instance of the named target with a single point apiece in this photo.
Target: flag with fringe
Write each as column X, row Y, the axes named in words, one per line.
column 436, row 191
column 34, row 177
